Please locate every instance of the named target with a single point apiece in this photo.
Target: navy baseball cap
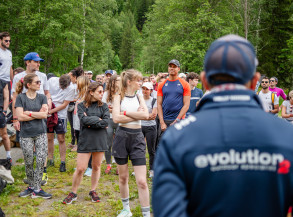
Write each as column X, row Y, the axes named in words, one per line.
column 230, row 55
column 112, row 72
column 175, row 62
column 33, row 56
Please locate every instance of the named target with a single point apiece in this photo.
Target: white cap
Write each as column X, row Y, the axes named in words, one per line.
column 148, row 85
column 182, row 75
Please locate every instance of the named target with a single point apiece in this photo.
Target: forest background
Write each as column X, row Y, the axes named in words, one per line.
column 146, row 34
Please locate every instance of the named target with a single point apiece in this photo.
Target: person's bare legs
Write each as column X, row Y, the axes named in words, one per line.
column 141, row 181
column 82, row 162
column 50, row 145
column 97, row 158
column 62, row 146
column 123, row 180
column 5, row 138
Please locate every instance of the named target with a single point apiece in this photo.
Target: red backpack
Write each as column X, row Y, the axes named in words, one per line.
column 52, row 121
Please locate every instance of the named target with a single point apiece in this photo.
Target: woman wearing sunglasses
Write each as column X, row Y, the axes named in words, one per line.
column 94, row 116
column 31, row 110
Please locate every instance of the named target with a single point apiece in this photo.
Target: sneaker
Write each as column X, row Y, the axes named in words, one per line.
column 70, row 198
column 94, row 196
column 42, row 194
column 151, row 174
column 26, row 192
column 62, row 167
column 10, row 160
column 88, row 172
column 44, row 179
column 124, row 213
column 133, row 173
column 108, row 170
column 50, row 163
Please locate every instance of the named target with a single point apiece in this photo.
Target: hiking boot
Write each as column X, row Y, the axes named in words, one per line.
column 62, row 167
column 70, row 198
column 50, row 163
column 26, row 192
column 42, row 194
column 44, row 179
column 88, row 172
column 125, row 213
column 108, row 170
column 94, row 196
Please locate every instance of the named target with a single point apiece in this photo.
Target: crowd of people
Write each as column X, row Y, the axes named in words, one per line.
column 119, row 116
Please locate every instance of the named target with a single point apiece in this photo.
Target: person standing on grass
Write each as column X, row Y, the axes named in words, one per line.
column 61, row 101
column 149, row 126
column 112, row 89
column 128, row 110
column 32, row 110
column 94, row 116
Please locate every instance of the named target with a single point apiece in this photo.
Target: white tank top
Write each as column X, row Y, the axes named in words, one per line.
column 130, row 104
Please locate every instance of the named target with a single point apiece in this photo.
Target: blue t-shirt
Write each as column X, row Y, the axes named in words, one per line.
column 196, row 94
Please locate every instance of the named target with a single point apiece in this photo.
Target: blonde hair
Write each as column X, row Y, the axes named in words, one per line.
column 128, row 75
column 82, row 83
column 291, row 94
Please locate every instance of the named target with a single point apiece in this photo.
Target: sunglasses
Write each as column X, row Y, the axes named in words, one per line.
column 272, row 80
column 264, row 82
column 38, row 82
column 7, row 41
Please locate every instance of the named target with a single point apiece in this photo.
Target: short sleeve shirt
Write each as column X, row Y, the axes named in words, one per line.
column 150, row 103
column 173, row 92
column 5, row 64
column 266, row 99
column 63, row 95
column 289, row 109
column 42, row 76
column 196, row 94
column 34, row 127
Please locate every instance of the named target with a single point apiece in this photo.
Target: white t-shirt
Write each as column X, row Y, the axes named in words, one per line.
column 53, row 86
column 5, row 64
column 66, row 94
column 266, row 99
column 150, row 109
column 42, row 77
column 289, row 109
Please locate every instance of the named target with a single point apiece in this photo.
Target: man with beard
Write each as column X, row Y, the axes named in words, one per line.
column 269, row 99
column 6, row 71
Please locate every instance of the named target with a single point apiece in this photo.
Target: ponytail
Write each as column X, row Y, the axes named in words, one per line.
column 28, row 79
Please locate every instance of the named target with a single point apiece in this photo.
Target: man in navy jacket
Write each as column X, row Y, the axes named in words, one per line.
column 229, row 158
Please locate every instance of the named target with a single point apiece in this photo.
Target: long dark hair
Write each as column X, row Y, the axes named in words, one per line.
column 111, row 88
column 28, row 79
column 88, row 97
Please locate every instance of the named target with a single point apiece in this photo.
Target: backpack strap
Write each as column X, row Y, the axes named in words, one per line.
column 153, row 102
column 273, row 98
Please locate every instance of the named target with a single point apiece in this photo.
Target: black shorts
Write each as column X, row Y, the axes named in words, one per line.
column 129, row 143
column 2, row 119
column 60, row 128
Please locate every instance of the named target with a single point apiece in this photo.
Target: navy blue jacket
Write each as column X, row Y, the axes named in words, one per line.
column 230, row 158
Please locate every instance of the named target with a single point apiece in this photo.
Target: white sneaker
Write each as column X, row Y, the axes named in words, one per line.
column 88, row 172
column 124, row 213
column 113, row 161
column 151, row 174
column 133, row 173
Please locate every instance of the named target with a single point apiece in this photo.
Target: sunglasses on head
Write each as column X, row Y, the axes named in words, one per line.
column 7, row 41
column 264, row 82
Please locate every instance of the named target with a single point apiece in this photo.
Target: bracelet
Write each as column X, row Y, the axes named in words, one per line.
column 124, row 113
column 30, row 113
column 15, row 119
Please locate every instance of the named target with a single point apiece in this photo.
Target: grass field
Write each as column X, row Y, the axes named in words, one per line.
column 59, row 185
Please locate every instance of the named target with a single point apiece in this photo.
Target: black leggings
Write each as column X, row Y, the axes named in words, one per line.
column 150, row 133
column 70, row 119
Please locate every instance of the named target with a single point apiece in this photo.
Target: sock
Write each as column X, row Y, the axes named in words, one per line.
column 146, row 211
column 8, row 154
column 45, row 169
column 63, row 162
column 125, row 202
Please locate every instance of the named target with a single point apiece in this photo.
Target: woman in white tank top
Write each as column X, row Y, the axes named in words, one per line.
column 128, row 110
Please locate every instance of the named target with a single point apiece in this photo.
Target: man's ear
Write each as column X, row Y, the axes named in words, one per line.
column 254, row 80
column 204, row 81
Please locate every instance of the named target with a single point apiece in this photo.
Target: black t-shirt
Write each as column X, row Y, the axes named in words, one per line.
column 37, row 126
column 2, row 86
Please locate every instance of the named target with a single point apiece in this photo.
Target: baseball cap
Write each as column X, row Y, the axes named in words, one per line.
column 112, row 72
column 148, row 85
column 33, row 56
column 230, row 55
column 89, row 72
column 175, row 62
column 182, row 75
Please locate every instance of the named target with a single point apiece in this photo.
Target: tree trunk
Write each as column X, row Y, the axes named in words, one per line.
column 83, row 38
